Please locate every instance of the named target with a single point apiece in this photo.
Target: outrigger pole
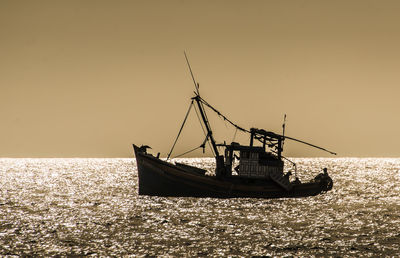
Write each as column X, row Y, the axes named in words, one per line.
column 309, row 144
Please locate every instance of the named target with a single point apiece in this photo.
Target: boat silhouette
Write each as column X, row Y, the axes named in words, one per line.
column 259, row 173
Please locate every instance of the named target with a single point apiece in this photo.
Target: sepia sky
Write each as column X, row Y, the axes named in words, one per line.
column 88, row 78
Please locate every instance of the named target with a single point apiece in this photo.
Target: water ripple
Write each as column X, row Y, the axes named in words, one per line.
column 91, row 207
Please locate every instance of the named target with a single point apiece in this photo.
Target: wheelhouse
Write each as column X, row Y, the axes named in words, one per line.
column 255, row 161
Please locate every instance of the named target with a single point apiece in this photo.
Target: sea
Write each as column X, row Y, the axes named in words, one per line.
column 91, row 207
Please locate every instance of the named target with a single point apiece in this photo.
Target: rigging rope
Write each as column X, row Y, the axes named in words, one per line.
column 198, row 117
column 184, row 121
column 188, row 152
column 202, row 101
column 183, row 124
column 224, row 117
column 291, row 162
column 247, row 131
column 234, row 136
column 204, row 131
column 201, row 146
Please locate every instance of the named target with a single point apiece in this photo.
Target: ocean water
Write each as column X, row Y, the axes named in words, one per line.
column 91, row 207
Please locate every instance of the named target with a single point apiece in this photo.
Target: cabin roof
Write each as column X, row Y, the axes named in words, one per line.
column 237, row 147
column 265, row 133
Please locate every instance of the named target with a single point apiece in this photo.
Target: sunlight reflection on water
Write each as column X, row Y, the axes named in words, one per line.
column 91, row 206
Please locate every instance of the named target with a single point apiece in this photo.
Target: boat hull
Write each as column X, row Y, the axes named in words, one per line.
column 160, row 178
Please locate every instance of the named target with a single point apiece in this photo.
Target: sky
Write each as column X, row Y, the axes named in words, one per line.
column 89, row 78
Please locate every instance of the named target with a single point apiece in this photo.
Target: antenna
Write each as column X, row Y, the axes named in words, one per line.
column 283, row 129
column 196, row 85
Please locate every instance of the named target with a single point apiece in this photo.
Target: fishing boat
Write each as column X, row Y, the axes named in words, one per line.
column 255, row 170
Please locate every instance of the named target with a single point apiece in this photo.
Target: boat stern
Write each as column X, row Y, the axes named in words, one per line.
column 325, row 180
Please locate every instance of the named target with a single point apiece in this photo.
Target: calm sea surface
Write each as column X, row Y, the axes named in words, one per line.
column 91, row 207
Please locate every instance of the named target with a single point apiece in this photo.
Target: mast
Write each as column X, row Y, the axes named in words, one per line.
column 260, row 135
column 202, row 111
column 206, row 124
